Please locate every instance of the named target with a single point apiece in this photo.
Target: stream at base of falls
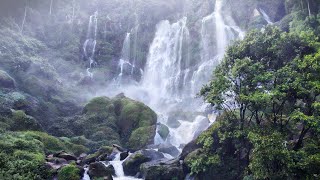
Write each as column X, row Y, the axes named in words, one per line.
column 117, row 165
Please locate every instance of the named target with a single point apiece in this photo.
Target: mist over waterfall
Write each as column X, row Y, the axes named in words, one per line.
column 159, row 89
column 171, row 79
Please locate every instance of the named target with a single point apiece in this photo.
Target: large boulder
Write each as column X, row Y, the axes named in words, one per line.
column 131, row 165
column 162, row 170
column 169, row 149
column 103, row 154
column 109, row 121
column 6, row 81
column 66, row 156
column 100, row 170
column 163, row 131
column 136, row 122
column 190, row 147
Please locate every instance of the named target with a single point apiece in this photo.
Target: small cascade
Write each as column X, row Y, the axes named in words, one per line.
column 265, row 16
column 89, row 46
column 86, row 175
column 117, row 164
column 126, row 66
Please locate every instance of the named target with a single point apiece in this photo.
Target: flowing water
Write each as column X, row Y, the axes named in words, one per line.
column 265, row 16
column 117, row 165
column 171, row 79
column 89, row 46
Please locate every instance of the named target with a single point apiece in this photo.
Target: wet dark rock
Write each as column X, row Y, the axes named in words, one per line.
column 56, row 160
column 190, row 147
column 99, row 170
column 162, row 170
column 169, row 149
column 123, row 155
column 65, row 156
column 131, row 165
column 118, row 148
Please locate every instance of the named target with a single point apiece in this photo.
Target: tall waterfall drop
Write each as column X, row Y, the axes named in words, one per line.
column 89, row 46
column 172, row 78
column 164, row 72
column 124, row 62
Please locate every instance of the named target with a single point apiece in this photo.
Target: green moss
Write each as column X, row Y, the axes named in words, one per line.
column 53, row 144
column 141, row 137
column 21, row 158
column 107, row 121
column 98, row 105
column 21, row 121
column 69, row 172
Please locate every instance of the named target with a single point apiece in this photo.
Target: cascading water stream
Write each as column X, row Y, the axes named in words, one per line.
column 117, row 165
column 265, row 16
column 89, row 46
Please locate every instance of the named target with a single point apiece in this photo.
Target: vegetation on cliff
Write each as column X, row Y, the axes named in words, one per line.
column 267, row 89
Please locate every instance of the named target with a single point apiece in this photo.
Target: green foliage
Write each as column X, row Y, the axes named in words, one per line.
column 273, row 78
column 141, row 137
column 21, row 158
column 21, row 121
column 69, row 172
column 53, row 144
column 270, row 157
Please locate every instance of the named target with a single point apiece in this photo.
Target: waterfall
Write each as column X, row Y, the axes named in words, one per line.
column 135, row 43
column 164, row 73
column 217, row 31
column 171, row 78
column 89, row 46
column 126, row 65
column 265, row 16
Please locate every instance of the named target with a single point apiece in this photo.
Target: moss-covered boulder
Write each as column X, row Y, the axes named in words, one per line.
column 163, row 131
column 69, row 172
column 108, row 121
column 136, row 122
column 99, row 155
column 6, row 81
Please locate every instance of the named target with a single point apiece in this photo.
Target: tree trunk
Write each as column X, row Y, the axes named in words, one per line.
column 303, row 133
